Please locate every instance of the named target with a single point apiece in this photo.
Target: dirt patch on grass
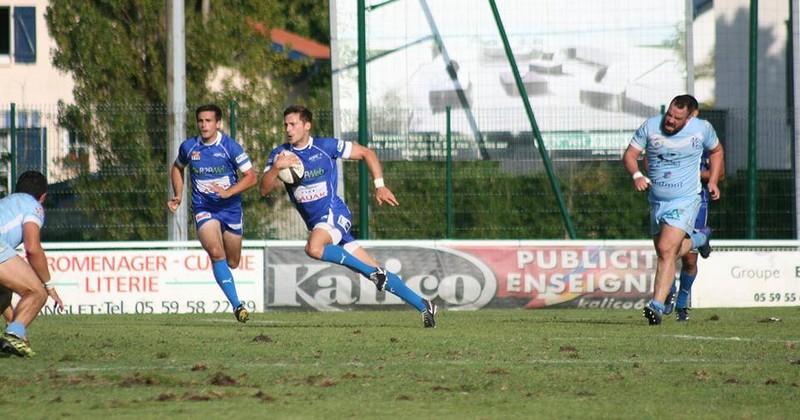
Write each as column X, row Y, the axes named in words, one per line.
column 221, row 379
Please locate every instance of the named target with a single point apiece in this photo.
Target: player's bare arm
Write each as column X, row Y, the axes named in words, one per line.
column 247, row 181
column 382, row 193
column 715, row 164
column 36, row 258
column 176, row 175
column 270, row 178
column 631, row 162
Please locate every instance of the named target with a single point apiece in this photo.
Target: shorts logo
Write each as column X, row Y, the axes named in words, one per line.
column 674, row 214
column 343, row 222
column 195, row 155
column 203, row 215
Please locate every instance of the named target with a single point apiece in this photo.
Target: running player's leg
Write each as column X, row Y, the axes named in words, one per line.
column 17, row 276
column 394, row 284
column 233, row 251
column 210, row 235
column 5, row 304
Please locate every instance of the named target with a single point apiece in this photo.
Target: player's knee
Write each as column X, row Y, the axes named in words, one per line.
column 233, row 262
column 35, row 292
column 314, row 251
column 216, row 253
column 665, row 250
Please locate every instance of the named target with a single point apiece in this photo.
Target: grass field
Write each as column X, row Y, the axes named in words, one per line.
column 724, row 363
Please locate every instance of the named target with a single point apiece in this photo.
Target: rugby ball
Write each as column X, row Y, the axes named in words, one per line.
column 293, row 174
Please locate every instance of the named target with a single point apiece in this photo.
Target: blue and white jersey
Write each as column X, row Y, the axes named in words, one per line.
column 673, row 161
column 16, row 210
column 315, row 195
column 214, row 163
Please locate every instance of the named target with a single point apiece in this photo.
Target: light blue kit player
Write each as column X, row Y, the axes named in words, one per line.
column 689, row 261
column 214, row 161
column 674, row 145
column 326, row 216
column 21, row 220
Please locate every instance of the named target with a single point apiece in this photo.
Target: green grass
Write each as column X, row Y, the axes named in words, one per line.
column 724, row 363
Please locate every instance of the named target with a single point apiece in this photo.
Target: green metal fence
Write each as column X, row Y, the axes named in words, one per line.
column 109, row 176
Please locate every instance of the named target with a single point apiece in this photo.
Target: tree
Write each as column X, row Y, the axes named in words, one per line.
column 116, row 53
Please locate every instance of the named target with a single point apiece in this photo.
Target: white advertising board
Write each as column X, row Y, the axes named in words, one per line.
column 150, row 281
column 748, row 278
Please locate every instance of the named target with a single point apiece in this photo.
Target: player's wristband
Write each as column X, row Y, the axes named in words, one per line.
column 48, row 286
column 378, row 183
column 637, row 175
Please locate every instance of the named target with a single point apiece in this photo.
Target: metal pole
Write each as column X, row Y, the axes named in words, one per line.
column 232, row 105
column 794, row 16
column 363, row 175
column 534, row 126
column 689, row 43
column 12, row 177
column 449, row 178
column 176, row 100
column 462, row 97
column 752, row 132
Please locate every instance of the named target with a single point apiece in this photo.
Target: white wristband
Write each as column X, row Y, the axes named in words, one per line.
column 48, row 286
column 378, row 182
column 637, row 175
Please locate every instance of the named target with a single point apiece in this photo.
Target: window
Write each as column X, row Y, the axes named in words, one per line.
column 5, row 34
column 25, row 34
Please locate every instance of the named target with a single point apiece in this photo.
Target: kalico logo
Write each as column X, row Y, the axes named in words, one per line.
column 452, row 278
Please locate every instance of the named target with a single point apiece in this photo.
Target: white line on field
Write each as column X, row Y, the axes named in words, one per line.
column 78, row 369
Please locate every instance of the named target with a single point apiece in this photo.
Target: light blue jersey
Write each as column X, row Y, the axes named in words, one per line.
column 16, row 210
column 673, row 161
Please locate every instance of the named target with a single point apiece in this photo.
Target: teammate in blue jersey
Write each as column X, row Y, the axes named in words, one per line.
column 326, row 215
column 21, row 219
column 215, row 160
column 674, row 144
column 688, row 271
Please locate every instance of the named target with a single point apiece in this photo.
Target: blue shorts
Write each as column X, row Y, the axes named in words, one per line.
column 702, row 216
column 680, row 213
column 337, row 221
column 230, row 219
column 6, row 252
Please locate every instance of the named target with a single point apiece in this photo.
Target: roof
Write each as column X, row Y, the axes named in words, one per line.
column 299, row 47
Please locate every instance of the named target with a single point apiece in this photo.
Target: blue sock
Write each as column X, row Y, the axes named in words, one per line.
column 698, row 239
column 396, row 286
column 17, row 329
column 337, row 255
column 656, row 305
column 685, row 290
column 224, row 279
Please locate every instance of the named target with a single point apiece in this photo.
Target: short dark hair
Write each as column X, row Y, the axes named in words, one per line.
column 33, row 183
column 685, row 101
column 209, row 107
column 305, row 114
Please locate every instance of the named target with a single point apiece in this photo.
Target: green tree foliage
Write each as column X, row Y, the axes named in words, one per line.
column 116, row 52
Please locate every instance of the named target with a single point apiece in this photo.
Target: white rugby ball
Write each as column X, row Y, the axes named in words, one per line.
column 293, row 174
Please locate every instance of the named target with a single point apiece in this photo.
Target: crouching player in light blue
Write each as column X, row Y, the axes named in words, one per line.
column 674, row 145
column 213, row 159
column 21, row 219
column 326, row 215
column 689, row 261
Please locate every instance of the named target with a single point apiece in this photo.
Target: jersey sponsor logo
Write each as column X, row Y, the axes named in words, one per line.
column 203, row 215
column 209, row 170
column 314, row 173
column 309, row 193
column 195, row 155
column 219, row 155
column 241, row 158
column 315, row 157
column 204, row 185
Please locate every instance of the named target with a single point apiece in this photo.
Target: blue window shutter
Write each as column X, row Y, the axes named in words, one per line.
column 25, row 34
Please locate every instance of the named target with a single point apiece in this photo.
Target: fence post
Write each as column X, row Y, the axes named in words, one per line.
column 232, row 119
column 752, row 132
column 12, row 175
column 449, row 177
